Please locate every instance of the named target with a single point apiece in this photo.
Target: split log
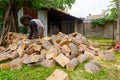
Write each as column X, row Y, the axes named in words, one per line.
column 81, row 38
column 4, row 56
column 91, row 53
column 74, row 49
column 48, row 39
column 107, row 55
column 82, row 48
column 62, row 59
column 83, row 57
column 46, row 44
column 93, row 48
column 66, row 50
column 42, row 57
column 72, row 64
column 16, row 64
column 30, row 50
column 54, row 38
column 59, row 37
column 52, row 53
column 64, row 41
column 14, row 55
column 57, row 46
column 44, row 51
column 26, row 43
column 2, row 49
column 33, row 58
column 48, row 63
column 93, row 67
column 5, row 66
column 21, row 51
column 37, row 47
column 13, row 47
column 58, row 75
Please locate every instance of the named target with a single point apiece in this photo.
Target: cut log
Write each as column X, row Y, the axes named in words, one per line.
column 91, row 53
column 48, row 39
column 64, row 41
column 62, row 60
column 58, row 75
column 66, row 50
column 74, row 49
column 34, row 58
column 42, row 57
column 54, row 38
column 93, row 67
column 4, row 56
column 2, row 49
column 48, row 63
column 72, row 64
column 80, row 37
column 26, row 43
column 14, row 55
column 5, row 66
column 107, row 55
column 16, row 64
column 57, row 46
column 36, row 47
column 46, row 44
column 93, row 48
column 13, row 47
column 83, row 57
column 21, row 51
column 44, row 51
column 59, row 37
column 82, row 48
column 52, row 53
column 30, row 50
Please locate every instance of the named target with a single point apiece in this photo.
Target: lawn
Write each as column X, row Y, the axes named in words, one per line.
column 109, row 70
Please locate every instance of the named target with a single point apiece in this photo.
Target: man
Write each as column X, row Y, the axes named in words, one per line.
column 36, row 26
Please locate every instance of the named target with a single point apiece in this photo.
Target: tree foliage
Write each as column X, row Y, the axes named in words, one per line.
column 112, row 13
column 101, row 21
column 112, row 10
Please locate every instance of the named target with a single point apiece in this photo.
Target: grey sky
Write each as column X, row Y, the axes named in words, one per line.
column 83, row 8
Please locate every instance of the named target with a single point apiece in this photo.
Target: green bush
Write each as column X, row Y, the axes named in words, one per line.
column 23, row 29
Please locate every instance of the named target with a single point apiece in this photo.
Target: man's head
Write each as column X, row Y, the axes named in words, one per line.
column 25, row 19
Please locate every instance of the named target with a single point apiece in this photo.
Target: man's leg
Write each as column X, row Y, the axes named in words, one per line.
column 35, row 30
column 31, row 31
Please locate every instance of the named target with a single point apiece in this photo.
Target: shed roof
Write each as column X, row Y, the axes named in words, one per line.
column 62, row 14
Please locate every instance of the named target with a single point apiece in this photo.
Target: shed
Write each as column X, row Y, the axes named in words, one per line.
column 54, row 20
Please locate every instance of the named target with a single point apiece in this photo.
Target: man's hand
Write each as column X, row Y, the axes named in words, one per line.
column 40, row 35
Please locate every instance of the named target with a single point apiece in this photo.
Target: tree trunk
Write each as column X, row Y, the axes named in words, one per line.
column 118, row 23
column 10, row 21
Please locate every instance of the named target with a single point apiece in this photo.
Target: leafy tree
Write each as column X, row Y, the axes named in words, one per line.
column 112, row 10
column 11, row 8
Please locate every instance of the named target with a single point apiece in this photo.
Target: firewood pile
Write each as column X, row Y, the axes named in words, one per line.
column 66, row 50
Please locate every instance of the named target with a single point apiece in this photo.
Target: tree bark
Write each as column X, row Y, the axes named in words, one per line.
column 118, row 23
column 10, row 20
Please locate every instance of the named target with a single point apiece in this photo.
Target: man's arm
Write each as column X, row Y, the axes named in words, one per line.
column 42, row 32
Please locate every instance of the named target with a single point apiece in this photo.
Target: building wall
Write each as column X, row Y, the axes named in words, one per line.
column 107, row 31
column 43, row 16
column 20, row 13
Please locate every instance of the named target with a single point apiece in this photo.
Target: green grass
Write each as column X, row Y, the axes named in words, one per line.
column 109, row 71
column 101, row 41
